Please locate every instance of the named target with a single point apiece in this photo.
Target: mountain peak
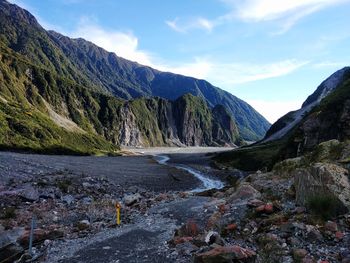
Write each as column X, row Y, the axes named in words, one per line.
column 326, row 87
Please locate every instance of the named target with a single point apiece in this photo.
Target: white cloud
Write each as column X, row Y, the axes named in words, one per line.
column 264, row 10
column 194, row 23
column 285, row 12
column 236, row 73
column 329, row 64
column 273, row 110
column 199, row 68
column 124, row 44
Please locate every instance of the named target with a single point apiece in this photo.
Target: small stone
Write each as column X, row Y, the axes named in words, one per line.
column 299, row 253
column 106, row 248
column 300, row 210
column 47, row 242
column 132, row 199
column 213, row 238
column 331, row 226
column 339, row 235
column 268, row 208
column 83, row 224
column 68, row 199
column 87, row 200
column 255, row 203
column 223, row 208
column 231, row 227
column 260, row 209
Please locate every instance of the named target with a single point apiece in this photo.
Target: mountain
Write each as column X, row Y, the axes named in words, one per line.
column 282, row 126
column 324, row 116
column 44, row 111
column 91, row 66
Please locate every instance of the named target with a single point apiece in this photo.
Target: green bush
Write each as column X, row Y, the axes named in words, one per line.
column 325, row 206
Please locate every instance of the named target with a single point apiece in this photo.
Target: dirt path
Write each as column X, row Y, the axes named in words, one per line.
column 144, row 241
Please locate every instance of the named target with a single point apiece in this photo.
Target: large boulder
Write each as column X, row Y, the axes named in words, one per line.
column 322, row 179
column 244, row 192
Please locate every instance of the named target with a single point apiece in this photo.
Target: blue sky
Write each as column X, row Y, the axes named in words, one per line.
column 270, row 53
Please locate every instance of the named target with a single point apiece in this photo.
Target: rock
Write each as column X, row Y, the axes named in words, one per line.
column 162, row 197
column 223, row 208
column 339, row 235
column 267, row 208
column 132, row 199
column 29, row 193
column 299, row 254
column 260, row 209
column 231, row 227
column 87, row 200
column 299, row 210
column 255, row 203
column 213, row 238
column 313, row 235
column 226, row 254
column 308, row 259
column 244, row 192
column 322, row 179
column 10, row 236
column 331, row 226
column 83, row 224
column 68, row 199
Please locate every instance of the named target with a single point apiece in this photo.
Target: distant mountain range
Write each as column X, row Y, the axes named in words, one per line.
column 60, row 94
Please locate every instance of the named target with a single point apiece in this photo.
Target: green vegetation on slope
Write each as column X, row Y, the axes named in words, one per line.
column 96, row 69
column 327, row 121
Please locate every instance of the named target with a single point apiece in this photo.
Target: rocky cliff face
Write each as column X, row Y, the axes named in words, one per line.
column 91, row 66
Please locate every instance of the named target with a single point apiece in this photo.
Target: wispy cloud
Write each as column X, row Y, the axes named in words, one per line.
column 237, row 73
column 194, row 23
column 263, row 10
column 286, row 13
column 329, row 64
column 124, row 44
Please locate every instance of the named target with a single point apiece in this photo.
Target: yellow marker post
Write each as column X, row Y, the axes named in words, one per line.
column 117, row 207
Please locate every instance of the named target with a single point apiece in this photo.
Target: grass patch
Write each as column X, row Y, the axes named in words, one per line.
column 8, row 213
column 325, row 207
column 252, row 158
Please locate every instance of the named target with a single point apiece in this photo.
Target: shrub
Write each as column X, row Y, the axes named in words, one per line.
column 325, row 206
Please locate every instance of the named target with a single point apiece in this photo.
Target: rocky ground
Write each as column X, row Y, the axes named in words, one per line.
column 262, row 217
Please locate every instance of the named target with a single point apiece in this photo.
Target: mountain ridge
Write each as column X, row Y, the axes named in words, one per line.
column 92, row 66
column 40, row 110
